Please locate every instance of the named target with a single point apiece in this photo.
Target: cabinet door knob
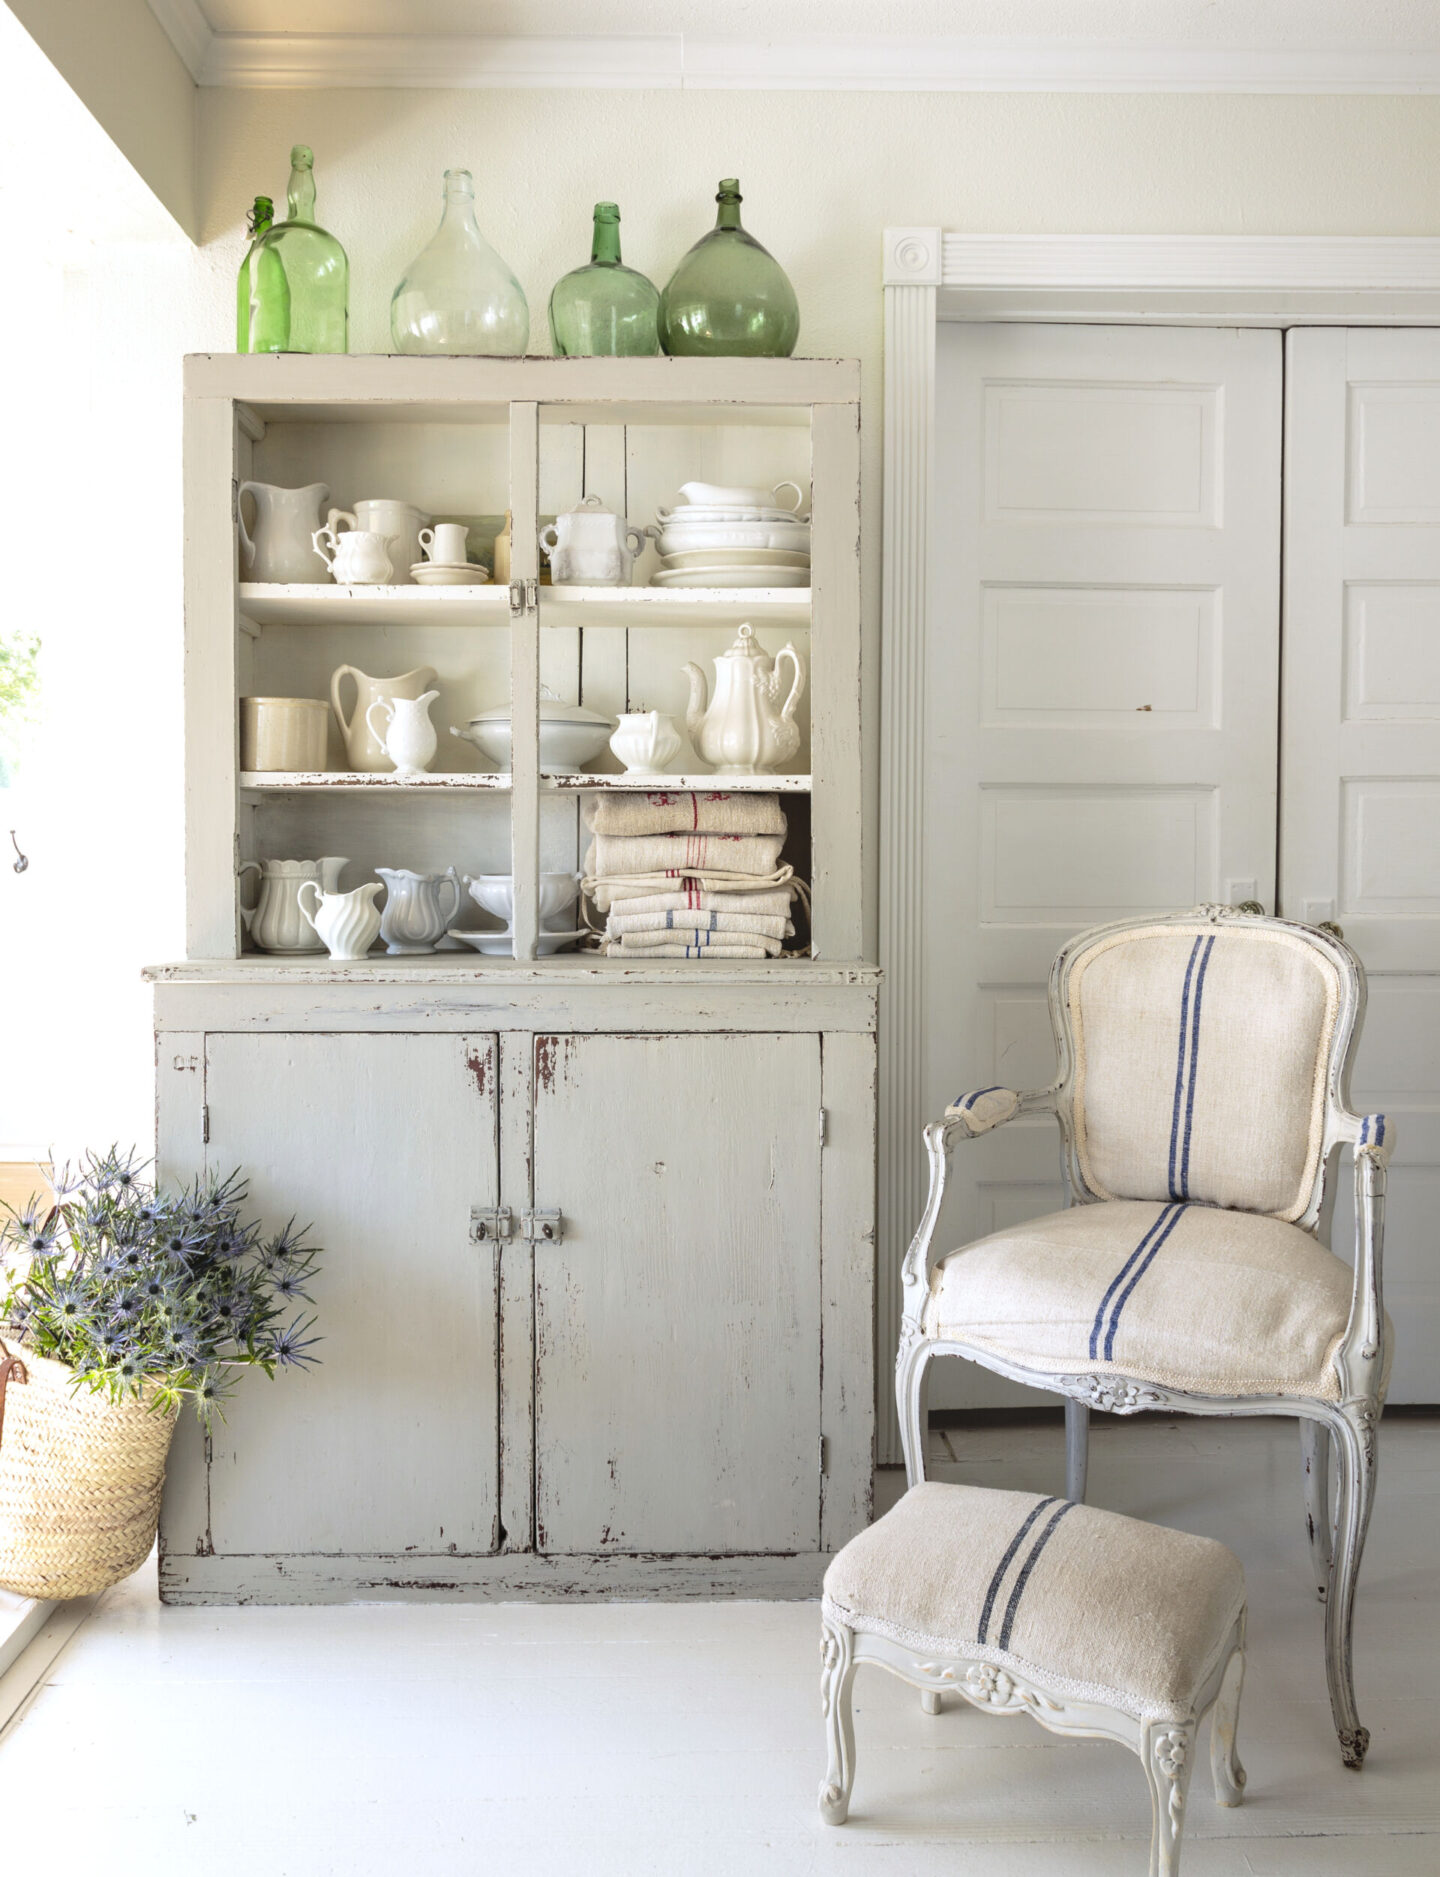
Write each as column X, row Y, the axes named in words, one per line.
column 542, row 1227
column 489, row 1223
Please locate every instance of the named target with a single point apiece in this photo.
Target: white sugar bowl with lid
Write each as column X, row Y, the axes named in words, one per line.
column 591, row 546
column 571, row 737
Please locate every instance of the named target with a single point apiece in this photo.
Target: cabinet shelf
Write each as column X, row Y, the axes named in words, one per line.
column 739, row 785
column 353, row 782
column 265, row 603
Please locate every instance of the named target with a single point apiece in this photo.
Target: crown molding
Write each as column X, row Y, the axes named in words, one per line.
column 844, row 62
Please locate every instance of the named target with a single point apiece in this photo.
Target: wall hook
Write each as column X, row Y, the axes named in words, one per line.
column 22, row 861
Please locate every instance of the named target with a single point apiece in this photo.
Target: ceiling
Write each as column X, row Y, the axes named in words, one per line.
column 1189, row 45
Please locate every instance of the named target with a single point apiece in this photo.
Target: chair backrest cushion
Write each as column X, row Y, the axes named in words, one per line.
column 1201, row 1062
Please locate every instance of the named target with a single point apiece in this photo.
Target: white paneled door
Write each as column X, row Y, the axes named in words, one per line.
column 1360, row 825
column 1101, row 689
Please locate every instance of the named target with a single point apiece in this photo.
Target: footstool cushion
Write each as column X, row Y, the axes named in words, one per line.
column 1093, row 1605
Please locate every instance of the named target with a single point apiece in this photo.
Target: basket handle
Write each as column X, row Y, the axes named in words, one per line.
column 10, row 1366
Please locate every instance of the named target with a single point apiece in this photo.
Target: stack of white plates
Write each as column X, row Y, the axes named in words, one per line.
column 723, row 537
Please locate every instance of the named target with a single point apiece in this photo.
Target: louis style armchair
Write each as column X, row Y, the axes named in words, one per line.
column 1202, row 1088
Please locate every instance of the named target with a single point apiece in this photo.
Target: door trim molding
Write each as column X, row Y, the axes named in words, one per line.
column 931, row 274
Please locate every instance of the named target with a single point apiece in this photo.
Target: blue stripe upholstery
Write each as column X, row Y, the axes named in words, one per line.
column 1029, row 1565
column 1004, row 1565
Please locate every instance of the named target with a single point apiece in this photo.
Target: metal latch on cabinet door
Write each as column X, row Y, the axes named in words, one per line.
column 524, row 597
column 542, row 1228
column 488, row 1223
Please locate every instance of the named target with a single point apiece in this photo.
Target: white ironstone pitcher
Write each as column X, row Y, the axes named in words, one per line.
column 275, row 921
column 414, row 916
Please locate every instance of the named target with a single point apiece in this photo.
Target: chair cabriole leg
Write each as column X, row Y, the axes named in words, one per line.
column 1077, row 1449
column 910, row 1400
column 1357, row 1457
column 1315, row 1462
column 1169, row 1754
column 837, row 1673
column 1225, row 1767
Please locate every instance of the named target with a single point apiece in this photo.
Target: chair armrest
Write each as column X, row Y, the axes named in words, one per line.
column 967, row 1116
column 1360, row 1358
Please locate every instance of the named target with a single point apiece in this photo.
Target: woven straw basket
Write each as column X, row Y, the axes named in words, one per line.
column 80, row 1480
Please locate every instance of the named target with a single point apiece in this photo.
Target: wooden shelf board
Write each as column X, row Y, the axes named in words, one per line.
column 349, row 782
column 752, row 785
column 447, row 967
column 275, row 604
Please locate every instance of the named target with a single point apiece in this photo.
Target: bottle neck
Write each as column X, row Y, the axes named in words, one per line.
column 605, row 247
column 300, row 197
column 728, row 215
column 262, row 215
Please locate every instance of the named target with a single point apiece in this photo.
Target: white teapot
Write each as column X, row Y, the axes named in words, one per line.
column 590, row 546
column 741, row 731
column 347, row 923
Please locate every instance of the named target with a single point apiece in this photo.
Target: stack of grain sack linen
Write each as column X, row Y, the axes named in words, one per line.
column 687, row 873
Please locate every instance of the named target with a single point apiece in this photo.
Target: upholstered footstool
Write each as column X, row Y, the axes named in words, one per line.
column 1090, row 1622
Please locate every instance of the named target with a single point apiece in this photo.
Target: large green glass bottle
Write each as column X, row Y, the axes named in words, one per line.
column 605, row 310
column 317, row 273
column 262, row 294
column 729, row 297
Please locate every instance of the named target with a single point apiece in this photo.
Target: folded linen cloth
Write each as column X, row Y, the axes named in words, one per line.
column 627, row 886
column 707, row 944
column 773, row 903
column 686, row 811
column 611, row 854
column 684, row 920
column 615, row 949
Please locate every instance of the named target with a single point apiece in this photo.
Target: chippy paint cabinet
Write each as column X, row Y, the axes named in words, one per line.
column 598, row 1278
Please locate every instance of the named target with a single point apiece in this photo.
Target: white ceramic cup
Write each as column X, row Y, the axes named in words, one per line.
column 445, row 543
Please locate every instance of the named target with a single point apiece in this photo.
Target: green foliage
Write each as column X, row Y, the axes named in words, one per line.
column 19, row 694
column 143, row 1292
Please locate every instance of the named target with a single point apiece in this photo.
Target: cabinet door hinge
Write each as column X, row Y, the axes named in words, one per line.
column 488, row 1223
column 822, row 1127
column 824, row 1457
column 542, row 1227
column 205, row 1123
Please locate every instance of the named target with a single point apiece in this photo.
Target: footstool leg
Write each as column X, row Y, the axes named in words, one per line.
column 1225, row 1767
column 1077, row 1449
column 1169, row 1757
column 930, row 1702
column 837, row 1673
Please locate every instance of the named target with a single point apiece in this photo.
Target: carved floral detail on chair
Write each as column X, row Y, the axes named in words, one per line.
column 1172, row 1750
column 1111, row 1394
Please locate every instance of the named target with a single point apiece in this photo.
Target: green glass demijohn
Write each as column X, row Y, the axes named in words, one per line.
column 729, row 297
column 605, row 310
column 458, row 296
column 317, row 274
column 262, row 294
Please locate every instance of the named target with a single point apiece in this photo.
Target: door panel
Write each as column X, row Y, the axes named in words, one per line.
column 677, row 1385
column 1102, row 685
column 1360, row 829
column 391, row 1443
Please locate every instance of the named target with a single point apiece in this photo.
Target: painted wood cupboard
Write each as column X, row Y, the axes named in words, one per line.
column 598, row 1284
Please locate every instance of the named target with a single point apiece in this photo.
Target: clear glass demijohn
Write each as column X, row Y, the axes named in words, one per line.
column 314, row 273
column 458, row 296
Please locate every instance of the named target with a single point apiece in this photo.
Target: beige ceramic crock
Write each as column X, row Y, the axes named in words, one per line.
column 283, row 733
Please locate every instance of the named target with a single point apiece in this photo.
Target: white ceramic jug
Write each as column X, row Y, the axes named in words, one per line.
column 401, row 521
column 646, row 742
column 412, row 919
column 359, row 558
column 591, row 546
column 346, row 922
column 741, row 731
column 364, row 750
column 408, row 734
column 275, row 921
column 285, row 520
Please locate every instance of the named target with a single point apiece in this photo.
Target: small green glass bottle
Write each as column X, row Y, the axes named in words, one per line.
column 605, row 310
column 729, row 297
column 317, row 273
column 262, row 294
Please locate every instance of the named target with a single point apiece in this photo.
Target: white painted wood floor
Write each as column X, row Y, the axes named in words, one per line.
column 684, row 1739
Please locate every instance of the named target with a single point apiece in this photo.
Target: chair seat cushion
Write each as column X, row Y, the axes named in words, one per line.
column 1091, row 1605
column 1187, row 1296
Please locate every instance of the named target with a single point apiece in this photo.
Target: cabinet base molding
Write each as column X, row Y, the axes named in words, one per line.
column 279, row 1579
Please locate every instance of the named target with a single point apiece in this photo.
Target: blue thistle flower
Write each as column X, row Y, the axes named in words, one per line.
column 289, row 1346
column 69, row 1304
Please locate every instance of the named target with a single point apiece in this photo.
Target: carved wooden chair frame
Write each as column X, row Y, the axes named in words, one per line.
column 1166, row 1748
column 1360, row 1360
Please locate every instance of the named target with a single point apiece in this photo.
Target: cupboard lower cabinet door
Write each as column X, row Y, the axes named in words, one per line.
column 677, row 1326
column 380, row 1144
